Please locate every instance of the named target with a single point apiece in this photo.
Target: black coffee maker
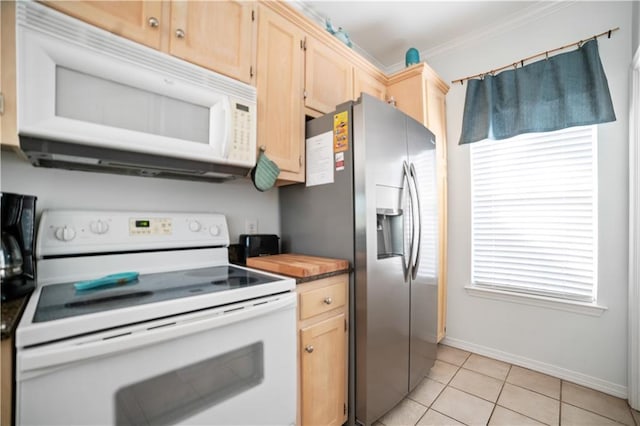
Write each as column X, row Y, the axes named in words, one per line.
column 17, row 264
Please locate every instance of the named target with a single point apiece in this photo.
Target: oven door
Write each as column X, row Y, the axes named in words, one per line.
column 225, row 366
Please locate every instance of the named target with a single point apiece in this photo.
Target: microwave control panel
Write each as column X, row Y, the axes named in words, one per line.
column 242, row 140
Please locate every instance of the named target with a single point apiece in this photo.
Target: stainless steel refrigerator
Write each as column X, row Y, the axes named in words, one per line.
column 374, row 202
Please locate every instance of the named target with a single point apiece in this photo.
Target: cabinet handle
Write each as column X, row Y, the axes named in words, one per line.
column 309, row 348
column 153, row 22
column 328, row 300
column 180, row 33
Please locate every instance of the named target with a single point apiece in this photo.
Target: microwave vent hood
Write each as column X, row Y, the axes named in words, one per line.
column 93, row 101
column 63, row 155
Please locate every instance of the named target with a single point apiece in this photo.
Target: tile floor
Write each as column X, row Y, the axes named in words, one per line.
column 468, row 389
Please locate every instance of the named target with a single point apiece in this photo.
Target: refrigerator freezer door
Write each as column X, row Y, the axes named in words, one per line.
column 424, row 285
column 382, row 293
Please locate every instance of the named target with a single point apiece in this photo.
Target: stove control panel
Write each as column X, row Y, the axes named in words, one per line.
column 65, row 232
column 151, row 226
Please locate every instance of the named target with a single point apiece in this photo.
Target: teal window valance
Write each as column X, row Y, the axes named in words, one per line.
column 565, row 90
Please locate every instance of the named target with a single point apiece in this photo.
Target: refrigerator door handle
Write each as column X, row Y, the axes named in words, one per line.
column 407, row 257
column 418, row 219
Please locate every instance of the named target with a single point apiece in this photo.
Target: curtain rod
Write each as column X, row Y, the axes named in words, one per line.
column 546, row 54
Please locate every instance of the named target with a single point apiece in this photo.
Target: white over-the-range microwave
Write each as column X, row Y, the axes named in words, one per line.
column 90, row 100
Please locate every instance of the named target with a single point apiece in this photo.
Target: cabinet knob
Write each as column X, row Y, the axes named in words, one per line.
column 328, row 300
column 153, row 22
column 309, row 348
column 180, row 33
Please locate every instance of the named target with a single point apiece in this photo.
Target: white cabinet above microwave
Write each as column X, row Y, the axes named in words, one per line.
column 90, row 100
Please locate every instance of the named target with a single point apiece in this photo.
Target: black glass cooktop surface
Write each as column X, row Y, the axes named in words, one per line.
column 63, row 300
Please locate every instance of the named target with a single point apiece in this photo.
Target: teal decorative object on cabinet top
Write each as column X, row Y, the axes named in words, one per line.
column 340, row 34
column 412, row 57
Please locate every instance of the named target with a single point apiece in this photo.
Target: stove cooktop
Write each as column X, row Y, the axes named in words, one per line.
column 59, row 301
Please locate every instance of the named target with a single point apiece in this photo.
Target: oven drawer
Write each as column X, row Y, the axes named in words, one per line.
column 324, row 299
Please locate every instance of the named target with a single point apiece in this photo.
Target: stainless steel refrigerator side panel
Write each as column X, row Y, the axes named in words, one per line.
column 318, row 220
column 382, row 294
column 424, row 287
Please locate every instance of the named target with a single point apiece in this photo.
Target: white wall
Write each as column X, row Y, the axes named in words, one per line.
column 589, row 350
column 56, row 189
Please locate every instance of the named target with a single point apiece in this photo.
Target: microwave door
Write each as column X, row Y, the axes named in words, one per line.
column 105, row 91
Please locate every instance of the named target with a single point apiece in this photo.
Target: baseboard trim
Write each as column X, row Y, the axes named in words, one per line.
column 542, row 367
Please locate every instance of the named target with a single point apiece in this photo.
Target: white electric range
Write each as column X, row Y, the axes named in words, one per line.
column 192, row 340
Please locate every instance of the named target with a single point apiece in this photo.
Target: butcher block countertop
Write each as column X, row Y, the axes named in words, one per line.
column 302, row 267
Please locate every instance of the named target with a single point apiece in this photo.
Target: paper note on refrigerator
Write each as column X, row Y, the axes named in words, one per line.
column 320, row 159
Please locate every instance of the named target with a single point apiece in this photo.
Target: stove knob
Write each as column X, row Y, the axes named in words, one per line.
column 214, row 230
column 99, row 227
column 65, row 233
column 195, row 226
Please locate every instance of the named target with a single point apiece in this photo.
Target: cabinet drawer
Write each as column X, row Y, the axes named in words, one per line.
column 321, row 300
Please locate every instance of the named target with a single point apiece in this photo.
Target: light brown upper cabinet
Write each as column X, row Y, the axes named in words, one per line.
column 140, row 21
column 218, row 35
column 328, row 77
column 420, row 92
column 369, row 84
column 280, row 81
column 8, row 110
column 215, row 34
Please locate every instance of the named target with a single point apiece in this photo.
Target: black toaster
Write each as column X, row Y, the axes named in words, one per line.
column 253, row 245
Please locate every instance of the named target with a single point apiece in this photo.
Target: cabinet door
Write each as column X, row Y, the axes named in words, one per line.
column 215, row 34
column 8, row 110
column 366, row 83
column 409, row 97
column 139, row 21
column 437, row 123
column 323, row 374
column 328, row 77
column 279, row 83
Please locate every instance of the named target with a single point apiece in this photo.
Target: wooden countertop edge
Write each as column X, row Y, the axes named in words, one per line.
column 301, row 280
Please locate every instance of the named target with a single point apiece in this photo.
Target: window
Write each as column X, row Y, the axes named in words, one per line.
column 534, row 221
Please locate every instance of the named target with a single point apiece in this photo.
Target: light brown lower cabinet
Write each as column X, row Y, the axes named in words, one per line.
column 322, row 351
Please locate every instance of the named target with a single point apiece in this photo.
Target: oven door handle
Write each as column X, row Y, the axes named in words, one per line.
column 39, row 360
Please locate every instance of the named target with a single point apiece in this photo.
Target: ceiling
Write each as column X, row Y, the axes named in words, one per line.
column 384, row 30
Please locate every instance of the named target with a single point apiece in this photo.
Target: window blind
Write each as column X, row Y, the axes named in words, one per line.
column 534, row 214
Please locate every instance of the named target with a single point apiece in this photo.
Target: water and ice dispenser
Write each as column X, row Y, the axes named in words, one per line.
column 390, row 219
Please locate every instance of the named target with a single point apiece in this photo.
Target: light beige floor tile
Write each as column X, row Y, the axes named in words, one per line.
column 452, row 355
column 534, row 381
column 577, row 416
column 597, row 402
column 529, row 403
column 407, row 412
column 433, row 418
column 477, row 384
column 503, row 417
column 426, row 392
column 487, row 366
column 636, row 415
column 463, row 407
column 378, row 424
column 442, row 371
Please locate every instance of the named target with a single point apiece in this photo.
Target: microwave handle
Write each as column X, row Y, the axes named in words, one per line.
column 228, row 123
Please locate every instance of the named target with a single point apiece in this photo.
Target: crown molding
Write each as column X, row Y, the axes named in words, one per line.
column 303, row 7
column 514, row 21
